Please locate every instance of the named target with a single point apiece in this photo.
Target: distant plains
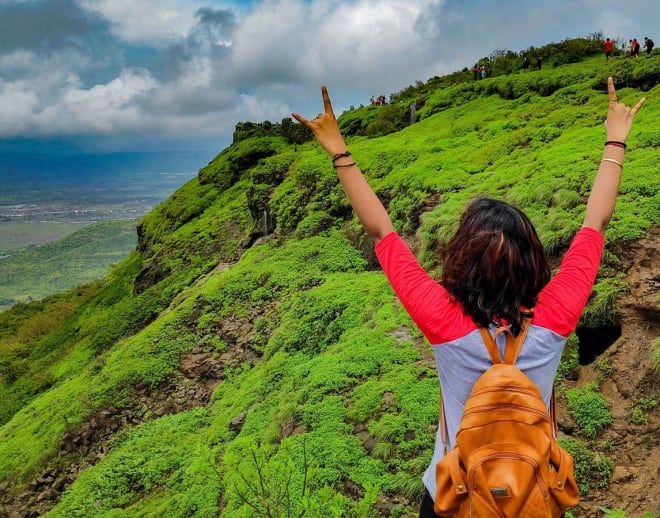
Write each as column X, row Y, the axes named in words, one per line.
column 47, row 196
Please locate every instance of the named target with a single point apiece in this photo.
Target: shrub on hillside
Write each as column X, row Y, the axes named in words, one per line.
column 591, row 471
column 390, row 118
column 226, row 168
column 589, row 409
column 295, row 133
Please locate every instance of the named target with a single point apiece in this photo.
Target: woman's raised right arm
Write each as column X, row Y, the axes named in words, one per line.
column 606, row 185
column 365, row 203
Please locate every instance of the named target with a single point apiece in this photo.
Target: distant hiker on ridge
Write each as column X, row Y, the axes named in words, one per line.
column 648, row 45
column 495, row 280
column 608, row 49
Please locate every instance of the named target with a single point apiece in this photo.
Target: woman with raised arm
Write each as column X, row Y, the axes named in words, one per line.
column 495, row 272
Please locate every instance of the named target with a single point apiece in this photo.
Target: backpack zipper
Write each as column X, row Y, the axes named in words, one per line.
column 494, row 408
column 508, row 389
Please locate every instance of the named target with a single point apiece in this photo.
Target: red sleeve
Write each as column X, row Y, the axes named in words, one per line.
column 437, row 315
column 561, row 302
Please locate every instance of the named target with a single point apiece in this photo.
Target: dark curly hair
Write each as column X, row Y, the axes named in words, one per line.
column 495, row 265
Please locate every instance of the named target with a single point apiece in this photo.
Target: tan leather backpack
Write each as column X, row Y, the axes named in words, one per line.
column 506, row 462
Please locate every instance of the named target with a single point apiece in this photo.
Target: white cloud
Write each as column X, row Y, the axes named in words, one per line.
column 104, row 108
column 17, row 61
column 16, row 107
column 362, row 42
column 156, row 22
column 28, row 63
column 260, row 109
column 196, row 91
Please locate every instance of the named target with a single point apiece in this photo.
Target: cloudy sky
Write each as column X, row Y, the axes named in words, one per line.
column 178, row 74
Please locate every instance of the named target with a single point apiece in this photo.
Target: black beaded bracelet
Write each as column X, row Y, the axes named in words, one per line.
column 616, row 143
column 340, row 155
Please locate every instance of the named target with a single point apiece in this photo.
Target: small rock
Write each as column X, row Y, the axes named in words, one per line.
column 61, row 483
column 368, row 440
column 237, row 423
column 566, row 427
column 286, row 430
column 352, row 489
column 99, row 456
column 48, row 494
column 621, row 474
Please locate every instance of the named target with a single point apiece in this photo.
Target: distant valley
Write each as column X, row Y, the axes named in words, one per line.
column 51, row 195
column 65, row 219
column 110, row 178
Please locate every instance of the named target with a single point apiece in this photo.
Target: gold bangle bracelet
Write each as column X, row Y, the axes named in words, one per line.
column 620, row 164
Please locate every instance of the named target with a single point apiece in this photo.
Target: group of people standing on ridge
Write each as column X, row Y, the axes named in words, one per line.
column 526, row 62
column 481, row 71
column 633, row 47
column 378, row 101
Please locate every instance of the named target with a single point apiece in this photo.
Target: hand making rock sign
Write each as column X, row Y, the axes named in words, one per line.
column 324, row 126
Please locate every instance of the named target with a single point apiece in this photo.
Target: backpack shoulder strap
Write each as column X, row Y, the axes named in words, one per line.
column 514, row 344
column 442, row 426
column 553, row 413
column 490, row 344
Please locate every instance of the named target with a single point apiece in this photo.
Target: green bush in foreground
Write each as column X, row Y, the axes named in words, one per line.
column 620, row 513
column 589, row 409
column 655, row 354
column 592, row 471
column 569, row 359
column 640, row 408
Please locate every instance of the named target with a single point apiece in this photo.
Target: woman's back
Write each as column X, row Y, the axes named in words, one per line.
column 460, row 354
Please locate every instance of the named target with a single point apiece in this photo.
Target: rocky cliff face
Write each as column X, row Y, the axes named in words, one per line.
column 628, row 374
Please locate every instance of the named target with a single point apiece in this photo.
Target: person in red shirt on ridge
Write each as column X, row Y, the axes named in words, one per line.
column 608, row 49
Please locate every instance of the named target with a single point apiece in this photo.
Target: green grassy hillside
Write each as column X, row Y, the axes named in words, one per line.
column 218, row 372
column 79, row 258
